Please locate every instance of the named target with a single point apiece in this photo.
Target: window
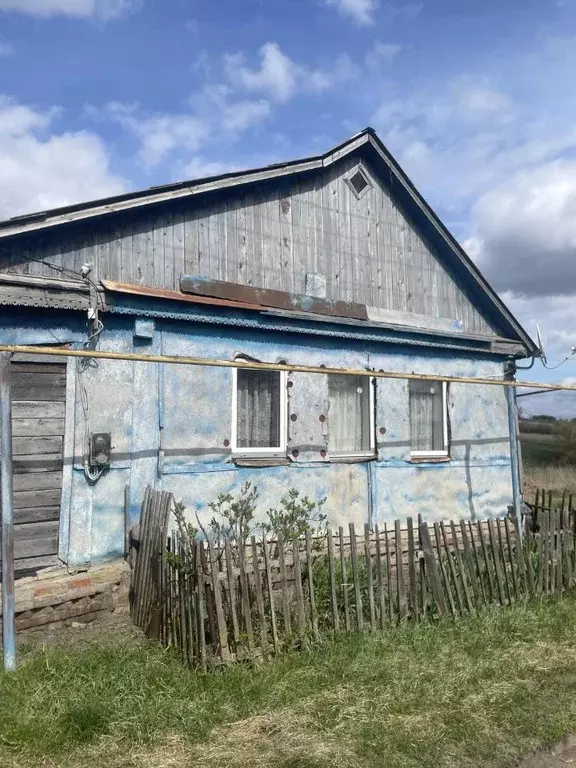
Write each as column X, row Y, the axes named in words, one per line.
column 259, row 412
column 428, row 418
column 351, row 425
column 358, row 182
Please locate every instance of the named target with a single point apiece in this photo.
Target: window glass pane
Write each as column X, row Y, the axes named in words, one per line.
column 350, row 420
column 258, row 403
column 426, row 416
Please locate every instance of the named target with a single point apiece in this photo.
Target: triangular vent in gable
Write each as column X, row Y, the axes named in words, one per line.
column 358, row 182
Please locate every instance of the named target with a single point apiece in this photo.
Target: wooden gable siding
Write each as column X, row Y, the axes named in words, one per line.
column 269, row 235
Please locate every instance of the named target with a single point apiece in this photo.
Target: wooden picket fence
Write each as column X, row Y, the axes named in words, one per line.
column 223, row 601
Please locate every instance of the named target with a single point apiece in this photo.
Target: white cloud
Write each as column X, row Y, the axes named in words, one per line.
column 361, row 11
column 101, row 9
column 159, row 134
column 524, row 231
column 280, row 78
column 39, row 171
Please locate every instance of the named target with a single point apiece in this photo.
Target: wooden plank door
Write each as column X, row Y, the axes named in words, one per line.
column 38, row 413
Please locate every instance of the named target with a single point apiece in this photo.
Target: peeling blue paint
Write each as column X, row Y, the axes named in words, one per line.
column 171, row 425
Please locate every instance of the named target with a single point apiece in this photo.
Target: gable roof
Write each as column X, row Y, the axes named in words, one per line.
column 365, row 141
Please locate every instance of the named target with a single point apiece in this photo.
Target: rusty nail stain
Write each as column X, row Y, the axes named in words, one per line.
column 290, row 384
column 382, row 430
column 322, row 418
column 226, row 443
column 293, row 417
column 295, row 453
column 323, row 453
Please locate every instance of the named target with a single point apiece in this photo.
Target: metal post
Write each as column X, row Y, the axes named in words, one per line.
column 8, row 601
column 514, row 456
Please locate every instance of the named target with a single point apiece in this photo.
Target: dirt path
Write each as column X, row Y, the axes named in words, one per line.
column 561, row 755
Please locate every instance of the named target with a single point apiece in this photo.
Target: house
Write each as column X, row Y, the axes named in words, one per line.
column 334, row 261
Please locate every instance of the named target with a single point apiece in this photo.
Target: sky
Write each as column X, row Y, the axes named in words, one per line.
column 475, row 100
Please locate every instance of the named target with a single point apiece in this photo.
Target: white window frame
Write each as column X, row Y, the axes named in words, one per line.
column 445, row 452
column 371, row 452
column 273, row 451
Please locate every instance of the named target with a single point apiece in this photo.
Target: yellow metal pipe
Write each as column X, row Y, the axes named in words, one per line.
column 251, row 365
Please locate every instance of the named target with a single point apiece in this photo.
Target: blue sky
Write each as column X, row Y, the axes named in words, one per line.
column 476, row 100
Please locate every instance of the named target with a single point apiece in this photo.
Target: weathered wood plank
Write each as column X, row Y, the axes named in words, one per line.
column 31, row 386
column 232, row 592
column 401, row 589
column 284, row 586
column 299, row 594
column 496, row 561
column 36, row 514
column 344, row 580
column 380, row 577
column 37, row 427
column 369, row 579
column 412, row 581
column 311, row 590
column 332, row 573
column 270, row 591
column 356, row 577
column 37, row 410
column 37, row 463
column 259, row 597
column 27, row 446
column 40, row 498
column 450, row 558
column 443, row 573
column 37, row 481
column 432, row 569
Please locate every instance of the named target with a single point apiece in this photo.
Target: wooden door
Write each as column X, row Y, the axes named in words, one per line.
column 38, row 411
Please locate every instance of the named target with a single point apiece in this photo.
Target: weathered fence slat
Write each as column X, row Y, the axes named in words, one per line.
column 432, row 569
column 232, row 593
column 221, row 630
column 452, row 568
column 380, row 577
column 245, row 598
column 332, row 575
column 493, row 597
column 259, row 597
column 311, row 591
column 298, row 591
column 468, row 559
column 477, row 566
column 460, row 564
column 412, row 581
column 421, row 572
column 443, row 572
column 512, row 561
column 496, row 561
column 369, row 580
column 388, row 575
column 400, row 587
column 284, row 586
column 200, row 607
column 269, row 586
column 356, row 577
column 344, row 578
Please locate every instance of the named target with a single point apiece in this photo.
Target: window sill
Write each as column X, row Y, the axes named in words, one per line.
column 430, row 459
column 352, row 459
column 261, row 461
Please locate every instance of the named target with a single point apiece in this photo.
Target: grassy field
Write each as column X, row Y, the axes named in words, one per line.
column 479, row 692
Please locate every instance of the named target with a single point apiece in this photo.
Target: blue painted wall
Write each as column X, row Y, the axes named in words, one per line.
column 169, row 425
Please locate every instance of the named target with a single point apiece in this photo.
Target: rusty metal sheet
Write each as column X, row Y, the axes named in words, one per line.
column 266, row 297
column 165, row 293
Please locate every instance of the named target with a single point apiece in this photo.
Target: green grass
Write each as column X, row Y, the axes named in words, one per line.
column 540, row 450
column 478, row 692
